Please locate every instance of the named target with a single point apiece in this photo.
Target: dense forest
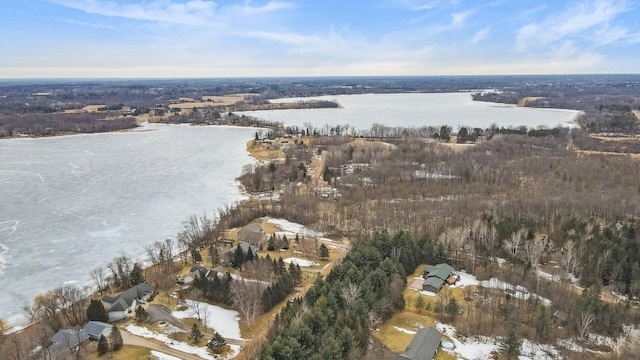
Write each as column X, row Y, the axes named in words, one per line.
column 533, row 201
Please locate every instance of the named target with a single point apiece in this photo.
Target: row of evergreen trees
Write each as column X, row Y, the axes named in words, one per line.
column 334, row 318
column 281, row 288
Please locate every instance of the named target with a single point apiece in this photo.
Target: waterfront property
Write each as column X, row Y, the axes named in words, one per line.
column 95, row 329
column 65, row 341
column 252, row 234
column 123, row 305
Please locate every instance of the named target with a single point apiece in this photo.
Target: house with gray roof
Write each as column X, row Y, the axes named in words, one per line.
column 252, row 234
column 123, row 305
column 64, row 341
column 423, row 346
column 245, row 246
column 438, row 275
column 195, row 273
column 95, row 329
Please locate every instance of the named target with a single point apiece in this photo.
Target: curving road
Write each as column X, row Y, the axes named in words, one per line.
column 130, row 339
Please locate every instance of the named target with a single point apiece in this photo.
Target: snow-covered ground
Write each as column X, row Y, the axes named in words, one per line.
column 477, row 347
column 301, row 262
column 466, row 280
column 480, row 347
column 202, row 352
column 292, row 228
column 517, row 291
column 223, row 321
column 410, row 332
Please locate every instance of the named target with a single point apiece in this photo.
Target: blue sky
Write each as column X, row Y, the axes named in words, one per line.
column 245, row 38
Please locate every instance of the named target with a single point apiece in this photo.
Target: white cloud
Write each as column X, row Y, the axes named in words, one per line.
column 481, row 35
column 579, row 19
column 192, row 12
column 417, row 5
column 84, row 23
column 610, row 34
column 458, row 18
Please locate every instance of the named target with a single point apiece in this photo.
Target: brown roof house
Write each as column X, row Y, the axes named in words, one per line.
column 253, row 234
column 423, row 346
column 438, row 275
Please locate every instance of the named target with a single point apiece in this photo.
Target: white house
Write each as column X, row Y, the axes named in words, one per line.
column 124, row 305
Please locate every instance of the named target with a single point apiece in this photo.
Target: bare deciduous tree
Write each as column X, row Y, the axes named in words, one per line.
column 246, row 297
column 584, row 324
column 99, row 277
column 350, row 294
column 569, row 257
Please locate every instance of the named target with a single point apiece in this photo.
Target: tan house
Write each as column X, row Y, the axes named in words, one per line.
column 253, row 234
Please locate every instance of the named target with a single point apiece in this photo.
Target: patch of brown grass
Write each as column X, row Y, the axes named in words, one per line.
column 128, row 352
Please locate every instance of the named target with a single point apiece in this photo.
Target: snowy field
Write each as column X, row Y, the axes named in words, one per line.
column 223, row 321
column 301, row 262
column 291, row 228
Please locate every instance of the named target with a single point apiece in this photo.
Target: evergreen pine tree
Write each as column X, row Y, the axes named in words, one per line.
column 214, row 256
column 511, row 345
column 195, row 256
column 141, row 315
column 195, row 335
column 420, row 303
column 250, row 255
column 238, row 258
column 116, row 339
column 217, row 343
column 103, row 345
column 136, row 276
column 280, row 267
column 323, row 252
column 452, row 308
column 272, row 244
column 97, row 312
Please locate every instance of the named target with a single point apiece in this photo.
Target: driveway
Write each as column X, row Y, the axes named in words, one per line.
column 130, row 339
column 162, row 313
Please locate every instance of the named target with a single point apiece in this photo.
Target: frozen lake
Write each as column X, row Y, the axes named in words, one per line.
column 416, row 110
column 74, row 202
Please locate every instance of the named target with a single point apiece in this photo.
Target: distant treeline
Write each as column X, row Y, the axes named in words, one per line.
column 606, row 108
column 53, row 124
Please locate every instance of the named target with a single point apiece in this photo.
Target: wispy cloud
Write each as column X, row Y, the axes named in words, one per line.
column 192, row 12
column 459, row 18
column 418, row 5
column 481, row 35
column 85, row 23
column 578, row 19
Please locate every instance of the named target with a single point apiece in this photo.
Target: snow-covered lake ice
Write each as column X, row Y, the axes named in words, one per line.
column 71, row 203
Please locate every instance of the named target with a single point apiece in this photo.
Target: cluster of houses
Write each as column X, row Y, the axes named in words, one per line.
column 118, row 308
column 66, row 340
